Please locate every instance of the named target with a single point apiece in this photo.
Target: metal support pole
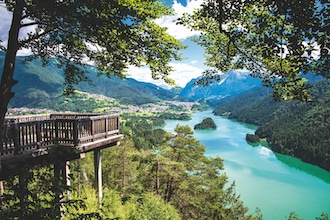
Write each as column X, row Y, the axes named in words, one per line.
column 67, row 176
column 98, row 173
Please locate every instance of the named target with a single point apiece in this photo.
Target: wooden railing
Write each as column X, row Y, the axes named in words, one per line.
column 23, row 134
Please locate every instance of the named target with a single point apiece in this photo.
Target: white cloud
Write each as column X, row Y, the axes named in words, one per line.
column 315, row 49
column 179, row 31
column 6, row 18
column 182, row 74
column 24, row 52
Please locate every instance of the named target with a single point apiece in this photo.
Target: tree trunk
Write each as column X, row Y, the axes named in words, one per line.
column 168, row 190
column 157, row 176
column 23, row 192
column 123, row 175
column 7, row 80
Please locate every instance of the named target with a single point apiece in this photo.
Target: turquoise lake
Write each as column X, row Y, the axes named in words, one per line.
column 275, row 183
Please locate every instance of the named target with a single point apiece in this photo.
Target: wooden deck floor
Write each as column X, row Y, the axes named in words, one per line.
column 31, row 137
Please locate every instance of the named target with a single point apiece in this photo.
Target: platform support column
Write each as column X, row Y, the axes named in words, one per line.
column 1, row 188
column 22, row 191
column 61, row 184
column 98, row 173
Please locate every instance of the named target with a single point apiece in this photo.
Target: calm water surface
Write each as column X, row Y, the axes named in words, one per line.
column 277, row 184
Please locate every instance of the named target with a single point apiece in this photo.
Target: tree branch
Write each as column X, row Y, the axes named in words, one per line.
column 252, row 59
column 29, row 24
column 22, row 42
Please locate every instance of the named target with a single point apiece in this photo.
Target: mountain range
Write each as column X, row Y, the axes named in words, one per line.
column 297, row 129
column 231, row 83
column 42, row 86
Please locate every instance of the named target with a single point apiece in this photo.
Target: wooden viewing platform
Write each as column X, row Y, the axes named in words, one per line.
column 27, row 138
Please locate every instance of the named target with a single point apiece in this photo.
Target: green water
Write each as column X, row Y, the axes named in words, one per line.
column 275, row 183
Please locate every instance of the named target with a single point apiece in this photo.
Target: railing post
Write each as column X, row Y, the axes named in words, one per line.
column 38, row 133
column 56, row 132
column 92, row 128
column 16, row 138
column 106, row 122
column 118, row 123
column 75, row 132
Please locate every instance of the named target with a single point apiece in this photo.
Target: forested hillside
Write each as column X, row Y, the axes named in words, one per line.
column 298, row 129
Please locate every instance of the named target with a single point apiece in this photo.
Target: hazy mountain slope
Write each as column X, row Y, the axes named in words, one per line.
column 128, row 90
column 256, row 106
column 231, row 83
column 42, row 86
column 36, row 84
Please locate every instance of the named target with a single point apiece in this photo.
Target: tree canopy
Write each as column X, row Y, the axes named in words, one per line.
column 277, row 41
column 109, row 34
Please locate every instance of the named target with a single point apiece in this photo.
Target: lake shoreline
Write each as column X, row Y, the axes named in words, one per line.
column 262, row 179
column 274, row 150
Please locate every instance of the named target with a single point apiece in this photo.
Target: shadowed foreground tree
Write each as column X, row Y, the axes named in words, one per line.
column 36, row 193
column 276, row 41
column 109, row 34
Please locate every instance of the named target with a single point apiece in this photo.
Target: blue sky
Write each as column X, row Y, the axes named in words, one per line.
column 170, row 2
column 191, row 67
